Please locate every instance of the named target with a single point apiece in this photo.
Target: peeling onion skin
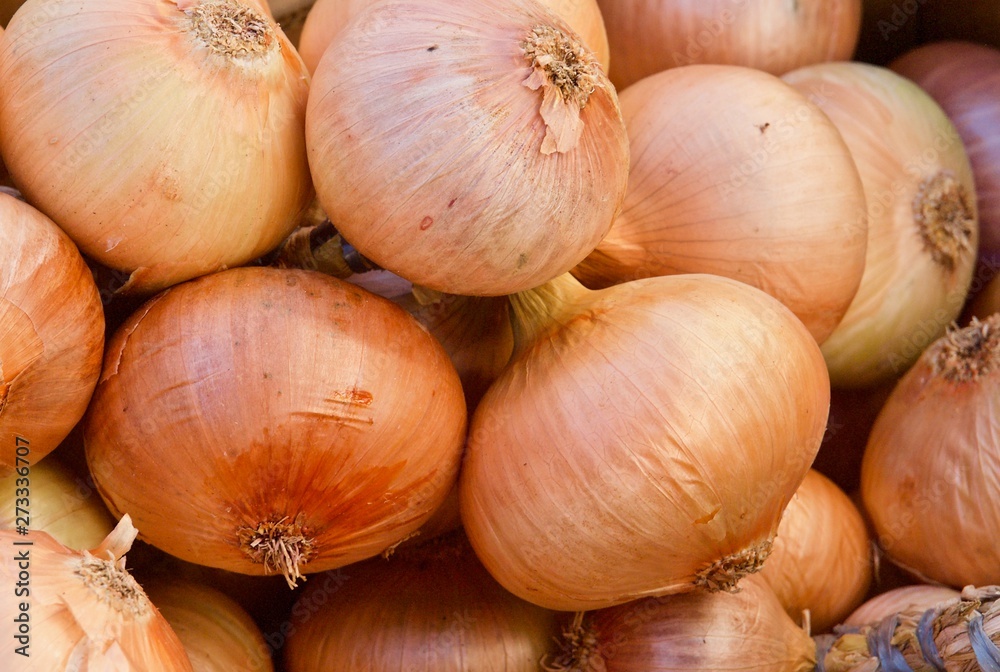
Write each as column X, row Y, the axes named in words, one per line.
column 456, row 181
column 645, row 442
column 274, row 401
column 51, row 334
column 132, row 79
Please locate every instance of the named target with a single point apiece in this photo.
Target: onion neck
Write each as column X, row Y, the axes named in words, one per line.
column 320, row 248
column 945, row 219
column 538, row 312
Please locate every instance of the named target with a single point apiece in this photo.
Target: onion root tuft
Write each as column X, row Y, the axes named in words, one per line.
column 945, row 219
column 579, row 650
column 233, row 29
column 965, row 355
column 112, row 584
column 726, row 573
column 280, row 546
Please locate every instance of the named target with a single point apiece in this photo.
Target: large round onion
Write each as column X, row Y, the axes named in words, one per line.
column 51, row 335
column 263, row 420
column 645, row 440
column 164, row 136
column 770, row 196
column 497, row 162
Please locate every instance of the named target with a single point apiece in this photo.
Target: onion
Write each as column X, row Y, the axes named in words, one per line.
column 822, row 557
column 432, row 608
column 930, row 474
column 479, row 175
column 61, row 504
column 51, row 336
column 217, row 634
column 80, row 610
column 644, row 441
column 647, row 36
column 905, row 598
column 769, row 197
column 291, row 422
column 150, row 81
column 922, row 223
column 328, row 17
column 696, row 632
column 964, row 79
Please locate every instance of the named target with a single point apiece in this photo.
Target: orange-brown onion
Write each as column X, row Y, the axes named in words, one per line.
column 327, row 17
column 898, row 600
column 747, row 630
column 922, row 224
column 205, row 99
column 431, row 608
column 770, row 196
column 648, row 36
column 51, row 335
column 644, row 441
column 480, row 174
column 289, row 421
column 822, row 557
column 929, row 479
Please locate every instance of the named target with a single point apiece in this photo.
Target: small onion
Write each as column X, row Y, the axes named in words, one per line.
column 85, row 611
column 922, row 223
column 217, row 634
column 431, row 608
column 904, row 598
column 644, row 441
column 648, row 36
column 931, row 472
column 290, row 422
column 51, row 335
column 497, row 163
column 770, row 196
column 699, row 632
column 822, row 557
column 205, row 98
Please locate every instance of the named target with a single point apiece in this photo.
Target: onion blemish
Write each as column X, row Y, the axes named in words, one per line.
column 945, row 219
column 725, row 574
column 232, row 29
column 281, row 546
column 965, row 355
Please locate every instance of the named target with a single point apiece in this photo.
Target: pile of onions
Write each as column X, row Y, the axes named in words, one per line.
column 432, row 608
column 61, row 504
column 695, row 633
column 822, row 557
column 51, row 335
column 291, row 422
column 497, row 163
column 645, row 440
column 328, row 17
column 648, row 36
column 84, row 610
column 922, row 223
column 207, row 100
column 217, row 634
column 769, row 197
column 964, row 79
column 931, row 473
column 904, row 598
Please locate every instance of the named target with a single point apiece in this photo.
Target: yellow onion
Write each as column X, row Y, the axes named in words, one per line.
column 61, row 504
column 328, row 17
column 770, row 196
column 922, row 224
column 217, row 634
column 931, row 472
column 648, row 36
column 51, row 335
column 698, row 632
column 644, row 440
column 822, row 557
column 80, row 610
column 497, row 163
column 291, row 422
column 431, row 608
column 164, row 136
column 904, row 598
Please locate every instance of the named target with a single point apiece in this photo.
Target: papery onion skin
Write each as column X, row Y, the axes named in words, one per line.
column 822, row 557
column 929, row 479
column 922, row 221
column 275, row 406
column 51, row 334
column 456, row 182
column 770, row 196
column 431, row 608
column 139, row 80
column 633, row 449
column 648, row 36
column 904, row 598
